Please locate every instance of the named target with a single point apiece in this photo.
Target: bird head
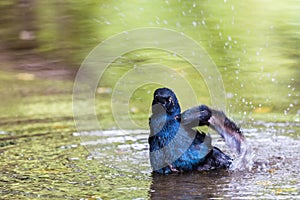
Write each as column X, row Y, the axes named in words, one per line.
column 165, row 100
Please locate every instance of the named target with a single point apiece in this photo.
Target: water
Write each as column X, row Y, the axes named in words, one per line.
column 255, row 46
column 115, row 164
column 271, row 173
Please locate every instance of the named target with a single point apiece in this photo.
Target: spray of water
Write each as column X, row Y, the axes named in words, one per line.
column 244, row 160
column 234, row 139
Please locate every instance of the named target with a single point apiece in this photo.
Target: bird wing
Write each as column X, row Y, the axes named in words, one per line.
column 227, row 129
column 217, row 120
column 196, row 116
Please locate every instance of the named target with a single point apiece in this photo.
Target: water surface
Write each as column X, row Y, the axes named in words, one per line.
column 272, row 172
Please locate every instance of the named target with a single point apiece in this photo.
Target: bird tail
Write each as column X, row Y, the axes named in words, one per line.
column 216, row 159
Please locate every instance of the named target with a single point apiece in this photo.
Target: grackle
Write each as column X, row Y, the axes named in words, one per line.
column 175, row 144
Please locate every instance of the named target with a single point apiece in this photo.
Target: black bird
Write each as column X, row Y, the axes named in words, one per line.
column 175, row 146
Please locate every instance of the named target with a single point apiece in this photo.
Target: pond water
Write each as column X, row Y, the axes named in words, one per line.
column 272, row 171
column 255, row 47
column 115, row 165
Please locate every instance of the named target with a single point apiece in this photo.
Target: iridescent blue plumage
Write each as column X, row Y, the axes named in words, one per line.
column 174, row 144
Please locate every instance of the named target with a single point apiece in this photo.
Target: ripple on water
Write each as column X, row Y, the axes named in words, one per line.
column 268, row 169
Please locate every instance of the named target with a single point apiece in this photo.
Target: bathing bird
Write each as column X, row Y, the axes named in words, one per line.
column 175, row 144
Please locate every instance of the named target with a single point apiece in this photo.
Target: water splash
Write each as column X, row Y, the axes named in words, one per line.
column 234, row 139
column 245, row 159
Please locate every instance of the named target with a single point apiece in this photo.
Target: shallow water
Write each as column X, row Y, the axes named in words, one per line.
column 43, row 156
column 61, row 163
column 274, row 172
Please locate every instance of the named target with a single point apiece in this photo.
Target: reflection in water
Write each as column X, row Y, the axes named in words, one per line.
column 191, row 185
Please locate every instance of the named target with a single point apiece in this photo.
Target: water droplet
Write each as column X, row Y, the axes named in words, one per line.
column 273, row 79
column 229, row 95
column 291, row 105
column 122, row 14
column 229, row 38
column 194, row 23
